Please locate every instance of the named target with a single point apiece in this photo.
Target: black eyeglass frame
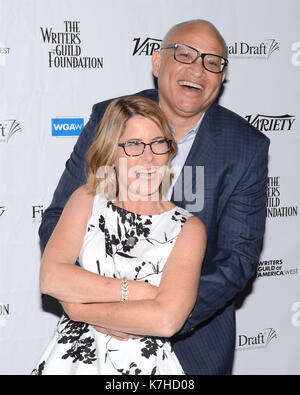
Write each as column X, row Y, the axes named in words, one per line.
column 199, row 55
column 123, row 145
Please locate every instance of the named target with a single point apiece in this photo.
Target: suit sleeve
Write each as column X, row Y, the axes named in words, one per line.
column 72, row 178
column 240, row 234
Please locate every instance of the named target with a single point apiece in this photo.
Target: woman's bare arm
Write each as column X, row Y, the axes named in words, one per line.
column 166, row 313
column 65, row 281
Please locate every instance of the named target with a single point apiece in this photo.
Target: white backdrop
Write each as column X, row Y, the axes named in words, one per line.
column 58, row 58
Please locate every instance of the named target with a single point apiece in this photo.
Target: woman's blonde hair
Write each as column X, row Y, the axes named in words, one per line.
column 102, row 153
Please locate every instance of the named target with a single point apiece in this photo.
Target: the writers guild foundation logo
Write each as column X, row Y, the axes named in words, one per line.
column 8, row 128
column 4, row 313
column 274, row 207
column 259, row 340
column 259, row 50
column 66, row 50
column 146, row 46
column 272, row 123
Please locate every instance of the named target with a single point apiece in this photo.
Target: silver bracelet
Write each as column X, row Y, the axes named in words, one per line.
column 125, row 292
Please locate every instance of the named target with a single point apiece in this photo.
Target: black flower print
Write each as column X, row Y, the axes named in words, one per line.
column 72, row 333
column 39, row 370
column 77, row 346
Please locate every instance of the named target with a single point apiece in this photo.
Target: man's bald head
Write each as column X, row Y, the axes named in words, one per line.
column 175, row 31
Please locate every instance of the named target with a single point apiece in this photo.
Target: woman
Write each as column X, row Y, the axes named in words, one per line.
column 137, row 278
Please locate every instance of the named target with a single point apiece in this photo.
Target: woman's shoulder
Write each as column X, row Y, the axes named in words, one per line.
column 190, row 221
column 82, row 194
column 193, row 225
column 81, row 201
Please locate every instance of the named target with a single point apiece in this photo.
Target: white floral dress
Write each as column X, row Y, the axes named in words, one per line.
column 77, row 348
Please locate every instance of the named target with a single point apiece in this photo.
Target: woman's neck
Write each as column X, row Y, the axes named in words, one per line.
column 144, row 205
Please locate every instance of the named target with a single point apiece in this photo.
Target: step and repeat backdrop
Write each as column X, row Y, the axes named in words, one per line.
column 58, row 58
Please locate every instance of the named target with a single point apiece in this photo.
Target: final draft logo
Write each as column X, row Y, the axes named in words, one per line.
column 260, row 50
column 272, row 123
column 146, row 46
column 37, row 213
column 4, row 51
column 274, row 207
column 8, row 128
column 259, row 340
column 66, row 50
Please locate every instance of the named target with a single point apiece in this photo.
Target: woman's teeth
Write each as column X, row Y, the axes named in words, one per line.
column 146, row 173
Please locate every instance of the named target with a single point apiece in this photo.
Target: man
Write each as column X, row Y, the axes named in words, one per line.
column 190, row 69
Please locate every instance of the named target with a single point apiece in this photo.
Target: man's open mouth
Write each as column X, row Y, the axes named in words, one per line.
column 191, row 85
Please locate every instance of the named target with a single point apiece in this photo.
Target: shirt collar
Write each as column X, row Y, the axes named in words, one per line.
column 190, row 133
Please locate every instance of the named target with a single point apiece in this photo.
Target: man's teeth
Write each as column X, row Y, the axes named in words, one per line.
column 151, row 171
column 191, row 85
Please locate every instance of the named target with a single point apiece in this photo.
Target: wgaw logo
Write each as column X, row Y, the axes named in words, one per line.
column 259, row 50
column 146, row 46
column 8, row 128
column 260, row 340
column 67, row 126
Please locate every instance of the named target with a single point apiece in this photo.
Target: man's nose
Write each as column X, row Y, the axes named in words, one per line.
column 197, row 68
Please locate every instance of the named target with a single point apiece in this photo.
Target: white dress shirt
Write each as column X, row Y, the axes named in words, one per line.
column 183, row 148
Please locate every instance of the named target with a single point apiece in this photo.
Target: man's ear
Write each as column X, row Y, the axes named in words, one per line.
column 156, row 59
column 223, row 76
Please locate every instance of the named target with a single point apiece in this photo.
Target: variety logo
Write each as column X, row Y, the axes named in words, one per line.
column 8, row 128
column 296, row 55
column 260, row 340
column 272, row 123
column 146, row 46
column 66, row 50
column 3, row 52
column 274, row 207
column 261, row 50
column 67, row 126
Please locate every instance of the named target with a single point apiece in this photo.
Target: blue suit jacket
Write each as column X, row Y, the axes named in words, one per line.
column 234, row 156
